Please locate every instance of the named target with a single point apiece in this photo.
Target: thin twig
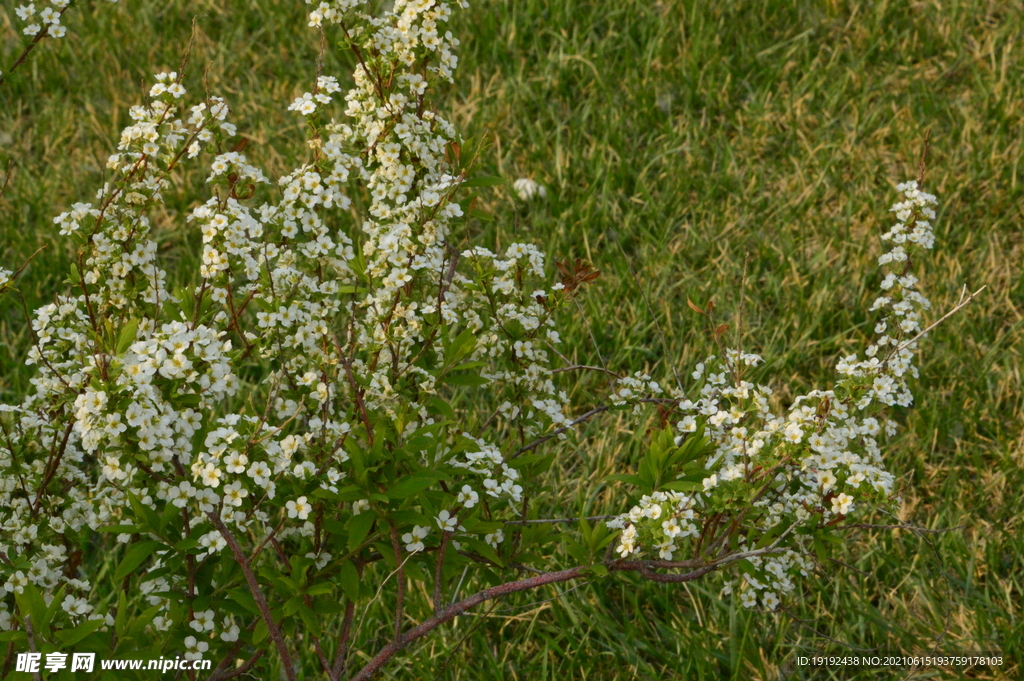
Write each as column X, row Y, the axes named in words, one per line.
column 965, row 300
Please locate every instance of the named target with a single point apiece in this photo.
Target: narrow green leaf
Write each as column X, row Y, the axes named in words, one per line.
column 134, row 557
column 412, row 484
column 359, row 527
column 127, row 336
column 350, row 580
column 70, row 637
column 469, row 379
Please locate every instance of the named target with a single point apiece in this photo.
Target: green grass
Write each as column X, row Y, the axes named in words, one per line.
column 702, row 145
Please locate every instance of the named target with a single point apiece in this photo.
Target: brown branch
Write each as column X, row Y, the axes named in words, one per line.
column 241, row 670
column 646, row 568
column 439, row 573
column 341, row 655
column 453, row 611
column 257, row 594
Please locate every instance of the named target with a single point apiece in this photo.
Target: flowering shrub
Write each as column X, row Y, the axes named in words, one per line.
column 340, row 404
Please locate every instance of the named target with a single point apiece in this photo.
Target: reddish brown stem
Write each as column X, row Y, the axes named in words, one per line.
column 257, row 594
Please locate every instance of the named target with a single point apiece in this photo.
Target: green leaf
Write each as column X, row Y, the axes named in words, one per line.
column 187, row 543
column 8, row 636
column 120, row 529
column 460, row 348
column 682, row 486
column 260, row 632
column 55, row 605
column 350, row 580
column 413, row 484
column 70, row 637
column 144, row 513
column 320, row 588
column 310, row 620
column 127, row 336
column 30, row 602
column 121, row 620
column 244, row 599
column 624, row 477
column 134, row 558
column 441, row 407
column 359, row 527
column 484, row 549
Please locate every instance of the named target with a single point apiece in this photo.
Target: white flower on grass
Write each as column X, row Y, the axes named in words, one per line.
column 414, row 540
column 528, row 189
column 770, row 600
column 748, row 599
column 299, row 508
column 304, row 104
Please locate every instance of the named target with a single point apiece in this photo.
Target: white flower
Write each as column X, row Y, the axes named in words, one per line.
column 842, row 503
column 467, row 497
column 528, row 189
column 202, row 621
column 446, row 521
column 234, row 493
column 194, row 649
column 495, row 538
column 304, row 104
column 414, row 540
column 299, row 508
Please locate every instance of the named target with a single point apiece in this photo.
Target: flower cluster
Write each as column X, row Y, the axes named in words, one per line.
column 791, row 476
column 358, row 333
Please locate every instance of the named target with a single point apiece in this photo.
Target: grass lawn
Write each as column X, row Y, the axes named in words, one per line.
column 745, row 152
